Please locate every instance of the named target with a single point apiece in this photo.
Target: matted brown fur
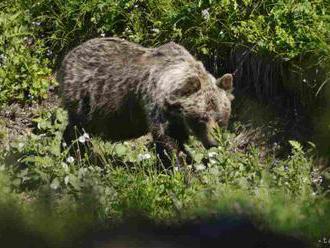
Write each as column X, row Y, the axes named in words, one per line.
column 120, row 90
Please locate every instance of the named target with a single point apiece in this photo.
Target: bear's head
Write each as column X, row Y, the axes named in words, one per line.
column 203, row 103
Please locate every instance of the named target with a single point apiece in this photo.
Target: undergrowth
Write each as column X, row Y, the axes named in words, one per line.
column 24, row 73
column 284, row 195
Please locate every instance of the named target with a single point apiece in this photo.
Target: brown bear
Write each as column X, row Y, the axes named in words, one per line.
column 120, row 90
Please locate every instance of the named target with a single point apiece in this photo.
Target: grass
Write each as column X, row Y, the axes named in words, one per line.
column 60, row 200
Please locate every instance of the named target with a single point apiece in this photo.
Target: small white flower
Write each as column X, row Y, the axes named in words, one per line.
column 213, row 161
column 82, row 139
column 36, row 23
column 199, row 167
column 103, row 35
column 86, row 135
column 145, row 156
column 155, row 30
column 206, row 14
column 176, row 168
column 212, row 154
column 304, row 80
column 3, row 57
column 64, row 145
column 70, row 160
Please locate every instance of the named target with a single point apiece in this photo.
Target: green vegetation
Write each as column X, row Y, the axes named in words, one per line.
column 285, row 28
column 24, row 75
column 282, row 194
column 46, row 193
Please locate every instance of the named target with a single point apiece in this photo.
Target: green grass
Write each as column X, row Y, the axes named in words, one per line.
column 53, row 196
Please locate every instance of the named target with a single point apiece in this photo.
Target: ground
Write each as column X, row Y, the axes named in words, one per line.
column 247, row 177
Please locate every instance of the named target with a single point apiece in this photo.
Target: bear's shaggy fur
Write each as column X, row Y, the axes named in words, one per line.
column 120, row 90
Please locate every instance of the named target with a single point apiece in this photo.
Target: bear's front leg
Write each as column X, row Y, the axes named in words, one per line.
column 166, row 146
column 177, row 130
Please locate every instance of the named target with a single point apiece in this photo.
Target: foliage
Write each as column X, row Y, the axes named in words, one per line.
column 24, row 75
column 126, row 179
column 43, row 222
column 284, row 28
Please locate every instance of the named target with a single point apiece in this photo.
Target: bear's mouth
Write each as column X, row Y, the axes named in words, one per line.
column 208, row 142
column 203, row 132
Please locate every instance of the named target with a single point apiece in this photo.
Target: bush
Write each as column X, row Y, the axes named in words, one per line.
column 24, row 75
column 282, row 28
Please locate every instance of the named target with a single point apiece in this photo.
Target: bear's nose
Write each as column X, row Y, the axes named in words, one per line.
column 223, row 124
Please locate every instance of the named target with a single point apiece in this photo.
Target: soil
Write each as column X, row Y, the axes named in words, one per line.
column 16, row 120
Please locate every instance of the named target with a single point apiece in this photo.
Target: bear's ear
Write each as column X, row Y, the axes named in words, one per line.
column 188, row 87
column 225, row 82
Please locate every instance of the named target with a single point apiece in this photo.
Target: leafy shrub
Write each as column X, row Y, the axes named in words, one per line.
column 24, row 75
column 286, row 29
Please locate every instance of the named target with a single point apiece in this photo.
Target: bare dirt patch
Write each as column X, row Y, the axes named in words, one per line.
column 16, row 120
